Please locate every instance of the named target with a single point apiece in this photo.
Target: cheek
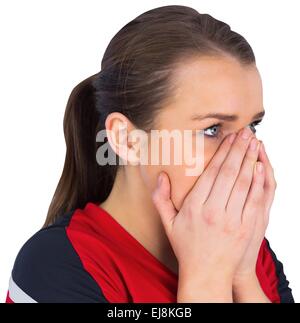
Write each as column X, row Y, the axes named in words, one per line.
column 181, row 184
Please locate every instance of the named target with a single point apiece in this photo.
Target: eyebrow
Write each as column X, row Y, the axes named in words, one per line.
column 225, row 117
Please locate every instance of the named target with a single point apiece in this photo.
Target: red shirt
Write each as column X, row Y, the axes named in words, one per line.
column 87, row 256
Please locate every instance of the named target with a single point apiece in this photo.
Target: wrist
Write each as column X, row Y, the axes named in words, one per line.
column 203, row 274
column 203, row 286
column 243, row 280
column 247, row 289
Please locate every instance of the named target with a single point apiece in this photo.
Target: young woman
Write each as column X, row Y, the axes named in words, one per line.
column 148, row 232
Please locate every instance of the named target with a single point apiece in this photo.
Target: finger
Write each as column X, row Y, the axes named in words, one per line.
column 242, row 185
column 255, row 196
column 230, row 169
column 205, row 181
column 162, row 201
column 270, row 182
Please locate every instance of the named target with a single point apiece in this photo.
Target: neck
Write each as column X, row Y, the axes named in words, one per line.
column 140, row 217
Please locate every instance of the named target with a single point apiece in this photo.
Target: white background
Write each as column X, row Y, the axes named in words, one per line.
column 47, row 47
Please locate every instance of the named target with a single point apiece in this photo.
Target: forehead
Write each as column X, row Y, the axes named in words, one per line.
column 207, row 84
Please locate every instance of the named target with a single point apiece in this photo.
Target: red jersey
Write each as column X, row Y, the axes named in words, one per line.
column 87, row 256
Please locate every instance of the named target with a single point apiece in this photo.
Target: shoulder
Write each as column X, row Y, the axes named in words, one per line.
column 48, row 269
column 272, row 276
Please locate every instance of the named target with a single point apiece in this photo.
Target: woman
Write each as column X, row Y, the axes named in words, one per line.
column 149, row 232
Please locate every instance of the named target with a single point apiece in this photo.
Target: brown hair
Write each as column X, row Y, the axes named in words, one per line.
column 134, row 80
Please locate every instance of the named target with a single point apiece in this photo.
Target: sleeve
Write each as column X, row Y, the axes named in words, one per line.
column 48, row 270
column 272, row 277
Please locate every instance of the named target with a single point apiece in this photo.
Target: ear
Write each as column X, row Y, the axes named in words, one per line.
column 120, row 135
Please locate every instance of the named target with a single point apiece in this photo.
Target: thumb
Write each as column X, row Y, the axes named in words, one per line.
column 162, row 201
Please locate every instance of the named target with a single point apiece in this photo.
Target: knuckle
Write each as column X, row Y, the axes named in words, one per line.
column 272, row 184
column 229, row 171
column 189, row 207
column 243, row 183
column 255, row 199
column 210, row 215
column 244, row 233
column 230, row 227
column 246, row 229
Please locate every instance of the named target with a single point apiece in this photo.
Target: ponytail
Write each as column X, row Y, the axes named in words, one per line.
column 136, row 79
column 82, row 179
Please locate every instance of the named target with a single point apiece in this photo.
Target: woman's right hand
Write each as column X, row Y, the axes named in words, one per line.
column 210, row 233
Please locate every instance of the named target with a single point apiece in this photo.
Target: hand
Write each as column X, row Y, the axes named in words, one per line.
column 247, row 268
column 210, row 233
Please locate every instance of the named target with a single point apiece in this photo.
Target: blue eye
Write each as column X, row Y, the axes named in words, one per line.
column 214, row 130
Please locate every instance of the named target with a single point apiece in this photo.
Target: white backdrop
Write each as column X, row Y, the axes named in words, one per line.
column 47, row 47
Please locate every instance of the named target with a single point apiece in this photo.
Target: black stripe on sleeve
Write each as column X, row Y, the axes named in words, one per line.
column 48, row 269
column 285, row 292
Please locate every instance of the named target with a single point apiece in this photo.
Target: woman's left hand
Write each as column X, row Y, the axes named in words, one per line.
column 247, row 269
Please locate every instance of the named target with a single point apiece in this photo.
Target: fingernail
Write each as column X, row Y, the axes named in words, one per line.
column 253, row 144
column 259, row 167
column 231, row 138
column 246, row 133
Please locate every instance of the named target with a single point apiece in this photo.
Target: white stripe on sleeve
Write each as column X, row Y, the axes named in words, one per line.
column 17, row 295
